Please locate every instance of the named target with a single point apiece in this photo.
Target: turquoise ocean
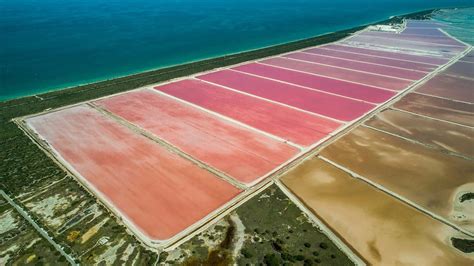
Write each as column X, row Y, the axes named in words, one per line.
column 48, row 44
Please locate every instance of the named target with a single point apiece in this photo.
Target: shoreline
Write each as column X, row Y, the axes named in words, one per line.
column 311, row 41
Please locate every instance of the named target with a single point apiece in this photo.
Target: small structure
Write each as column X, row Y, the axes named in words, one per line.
column 386, row 28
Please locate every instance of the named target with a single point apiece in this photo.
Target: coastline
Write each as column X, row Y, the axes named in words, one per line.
column 264, row 50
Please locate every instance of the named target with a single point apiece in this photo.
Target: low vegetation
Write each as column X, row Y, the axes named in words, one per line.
column 273, row 231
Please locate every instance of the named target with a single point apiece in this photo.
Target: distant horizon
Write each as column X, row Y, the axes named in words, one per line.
column 47, row 48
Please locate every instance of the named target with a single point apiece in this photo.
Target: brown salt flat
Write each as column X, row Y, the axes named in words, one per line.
column 461, row 69
column 383, row 230
column 431, row 179
column 469, row 57
column 444, row 109
column 456, row 88
column 445, row 136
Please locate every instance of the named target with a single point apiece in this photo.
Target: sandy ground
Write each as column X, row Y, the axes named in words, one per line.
column 422, row 175
column 382, row 229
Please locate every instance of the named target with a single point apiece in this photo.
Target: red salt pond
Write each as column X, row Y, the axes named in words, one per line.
column 391, row 55
column 287, row 123
column 424, row 31
column 450, row 87
column 339, row 73
column 159, row 192
column 372, row 59
column 410, row 37
column 424, row 24
column 235, row 150
column 449, row 50
column 343, row 88
column 368, row 79
column 306, row 99
column 360, row 66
